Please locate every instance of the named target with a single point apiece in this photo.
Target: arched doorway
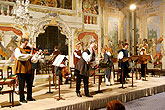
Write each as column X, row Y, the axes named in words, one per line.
column 52, row 37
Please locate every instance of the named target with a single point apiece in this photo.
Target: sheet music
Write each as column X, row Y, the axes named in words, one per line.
column 58, row 60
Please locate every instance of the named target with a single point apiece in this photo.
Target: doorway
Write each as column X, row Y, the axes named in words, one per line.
column 52, row 37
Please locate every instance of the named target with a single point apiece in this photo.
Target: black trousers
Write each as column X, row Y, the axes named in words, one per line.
column 143, row 67
column 32, row 78
column 22, row 78
column 125, row 70
column 85, row 81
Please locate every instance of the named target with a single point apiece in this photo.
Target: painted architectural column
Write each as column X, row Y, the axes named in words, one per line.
column 128, row 27
column 101, row 23
column 143, row 27
column 163, row 59
column 121, row 26
column 71, row 48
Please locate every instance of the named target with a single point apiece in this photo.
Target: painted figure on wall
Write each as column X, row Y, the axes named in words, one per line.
column 113, row 33
column 153, row 26
column 90, row 6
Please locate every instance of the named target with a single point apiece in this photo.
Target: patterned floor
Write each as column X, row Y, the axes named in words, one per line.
column 156, row 102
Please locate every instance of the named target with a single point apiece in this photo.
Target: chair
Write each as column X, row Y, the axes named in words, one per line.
column 9, row 71
column 1, row 74
column 10, row 91
column 72, row 70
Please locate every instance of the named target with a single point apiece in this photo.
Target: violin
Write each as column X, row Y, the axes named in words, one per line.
column 29, row 50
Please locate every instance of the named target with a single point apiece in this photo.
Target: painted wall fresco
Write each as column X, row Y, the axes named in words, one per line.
column 66, row 4
column 113, row 34
column 153, row 27
column 86, row 37
column 90, row 6
column 8, row 43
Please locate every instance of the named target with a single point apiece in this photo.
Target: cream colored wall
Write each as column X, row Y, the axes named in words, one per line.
column 163, row 60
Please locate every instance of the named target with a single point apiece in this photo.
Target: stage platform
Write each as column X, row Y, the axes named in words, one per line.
column 46, row 101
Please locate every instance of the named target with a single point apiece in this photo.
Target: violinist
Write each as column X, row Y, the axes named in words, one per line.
column 77, row 54
column 23, row 69
column 37, row 56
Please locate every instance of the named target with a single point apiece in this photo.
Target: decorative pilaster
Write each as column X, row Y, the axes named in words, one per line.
column 163, row 59
column 71, row 48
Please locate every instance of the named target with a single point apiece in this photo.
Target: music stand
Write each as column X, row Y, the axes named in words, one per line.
column 133, row 59
column 57, row 63
column 122, row 69
column 142, row 59
column 59, row 96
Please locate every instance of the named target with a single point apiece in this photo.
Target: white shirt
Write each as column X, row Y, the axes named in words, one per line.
column 24, row 57
column 87, row 57
column 121, row 54
column 75, row 54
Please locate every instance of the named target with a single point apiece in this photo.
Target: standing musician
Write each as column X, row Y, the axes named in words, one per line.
column 124, row 65
column 143, row 63
column 82, row 69
column 37, row 56
column 23, row 69
column 77, row 54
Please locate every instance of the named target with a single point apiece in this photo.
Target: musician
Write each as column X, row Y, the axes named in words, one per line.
column 60, row 63
column 124, row 65
column 144, row 63
column 77, row 54
column 37, row 56
column 82, row 69
column 107, row 71
column 23, row 69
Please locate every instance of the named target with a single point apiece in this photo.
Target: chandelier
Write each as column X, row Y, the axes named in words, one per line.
column 21, row 12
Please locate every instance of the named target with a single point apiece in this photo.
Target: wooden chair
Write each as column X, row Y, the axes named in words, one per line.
column 10, row 91
column 1, row 74
column 9, row 71
column 72, row 70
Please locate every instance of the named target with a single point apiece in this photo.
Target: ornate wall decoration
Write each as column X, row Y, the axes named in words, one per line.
column 85, row 38
column 90, row 6
column 113, row 33
column 55, row 21
column 66, row 4
column 16, row 31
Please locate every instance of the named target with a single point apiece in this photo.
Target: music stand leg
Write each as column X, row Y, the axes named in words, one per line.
column 49, row 92
column 122, row 86
column 55, row 81
column 100, row 80
column 132, row 81
column 59, row 97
